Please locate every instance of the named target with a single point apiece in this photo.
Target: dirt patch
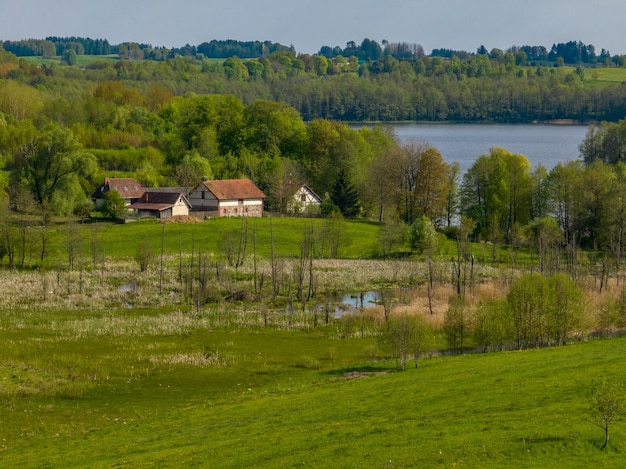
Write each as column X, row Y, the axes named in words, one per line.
column 181, row 219
column 362, row 374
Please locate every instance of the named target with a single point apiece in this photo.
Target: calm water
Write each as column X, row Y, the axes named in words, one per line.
column 545, row 144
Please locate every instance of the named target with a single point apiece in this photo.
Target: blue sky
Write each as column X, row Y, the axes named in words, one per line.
column 310, row 24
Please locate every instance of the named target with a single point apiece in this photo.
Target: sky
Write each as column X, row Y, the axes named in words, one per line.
column 311, row 24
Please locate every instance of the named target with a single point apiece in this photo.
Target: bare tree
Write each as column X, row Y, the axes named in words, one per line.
column 388, row 301
column 73, row 243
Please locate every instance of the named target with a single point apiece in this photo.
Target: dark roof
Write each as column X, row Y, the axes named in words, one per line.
column 177, row 190
column 229, row 189
column 128, row 188
column 158, row 200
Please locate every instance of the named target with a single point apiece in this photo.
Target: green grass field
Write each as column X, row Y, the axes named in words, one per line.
column 95, row 376
column 150, row 388
column 357, row 239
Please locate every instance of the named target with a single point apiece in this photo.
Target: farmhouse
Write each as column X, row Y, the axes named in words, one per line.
column 130, row 190
column 227, row 198
column 304, row 200
column 162, row 203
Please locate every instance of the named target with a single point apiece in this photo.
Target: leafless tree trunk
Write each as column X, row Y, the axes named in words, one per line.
column 161, row 261
column 256, row 290
column 388, row 301
column 23, row 229
column 430, row 285
column 44, row 238
column 73, row 243
column 243, row 242
column 273, row 260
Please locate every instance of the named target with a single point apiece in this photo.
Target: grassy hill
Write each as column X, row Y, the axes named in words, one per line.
column 169, row 389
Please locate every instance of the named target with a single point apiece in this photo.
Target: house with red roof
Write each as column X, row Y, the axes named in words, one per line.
column 227, row 198
column 130, row 190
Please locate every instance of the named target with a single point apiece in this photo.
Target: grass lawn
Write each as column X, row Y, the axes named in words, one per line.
column 356, row 239
column 613, row 75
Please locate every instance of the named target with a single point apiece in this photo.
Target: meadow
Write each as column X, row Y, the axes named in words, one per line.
column 108, row 366
column 131, row 388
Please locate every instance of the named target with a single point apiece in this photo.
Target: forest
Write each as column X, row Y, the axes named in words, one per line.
column 365, row 82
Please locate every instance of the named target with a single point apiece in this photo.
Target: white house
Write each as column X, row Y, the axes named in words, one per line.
column 304, row 200
column 227, row 198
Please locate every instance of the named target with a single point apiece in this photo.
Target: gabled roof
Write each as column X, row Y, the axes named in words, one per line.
column 158, row 200
column 128, row 188
column 230, row 189
column 307, row 188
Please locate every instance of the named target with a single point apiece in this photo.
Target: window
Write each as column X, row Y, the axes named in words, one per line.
column 240, row 201
column 303, row 198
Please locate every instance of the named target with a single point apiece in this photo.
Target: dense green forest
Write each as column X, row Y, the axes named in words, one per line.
column 366, row 82
column 277, row 120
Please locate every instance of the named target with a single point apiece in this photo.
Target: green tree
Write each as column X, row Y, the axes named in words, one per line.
column 19, row 100
column 424, row 237
column 452, row 197
column 496, row 192
column 275, row 129
column 420, row 181
column 345, row 196
column 566, row 309
column 545, row 310
column 527, row 303
column 607, row 402
column 52, row 161
column 235, row 69
column 490, row 326
column 192, row 169
column 391, row 234
column 145, row 254
column 69, row 57
column 406, row 336
column 455, row 324
column 113, row 205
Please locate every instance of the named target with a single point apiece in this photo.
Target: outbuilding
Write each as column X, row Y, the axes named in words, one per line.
column 161, row 204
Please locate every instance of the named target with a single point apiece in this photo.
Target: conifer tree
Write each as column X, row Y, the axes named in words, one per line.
column 345, row 196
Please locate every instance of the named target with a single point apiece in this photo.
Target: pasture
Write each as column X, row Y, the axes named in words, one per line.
column 145, row 388
column 107, row 366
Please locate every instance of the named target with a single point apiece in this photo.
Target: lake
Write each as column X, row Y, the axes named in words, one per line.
column 545, row 144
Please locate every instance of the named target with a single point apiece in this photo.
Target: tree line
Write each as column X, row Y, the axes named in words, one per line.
column 571, row 52
column 476, row 89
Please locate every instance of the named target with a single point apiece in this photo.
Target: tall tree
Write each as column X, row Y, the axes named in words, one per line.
column 421, row 181
column 345, row 196
column 496, row 192
column 52, row 161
